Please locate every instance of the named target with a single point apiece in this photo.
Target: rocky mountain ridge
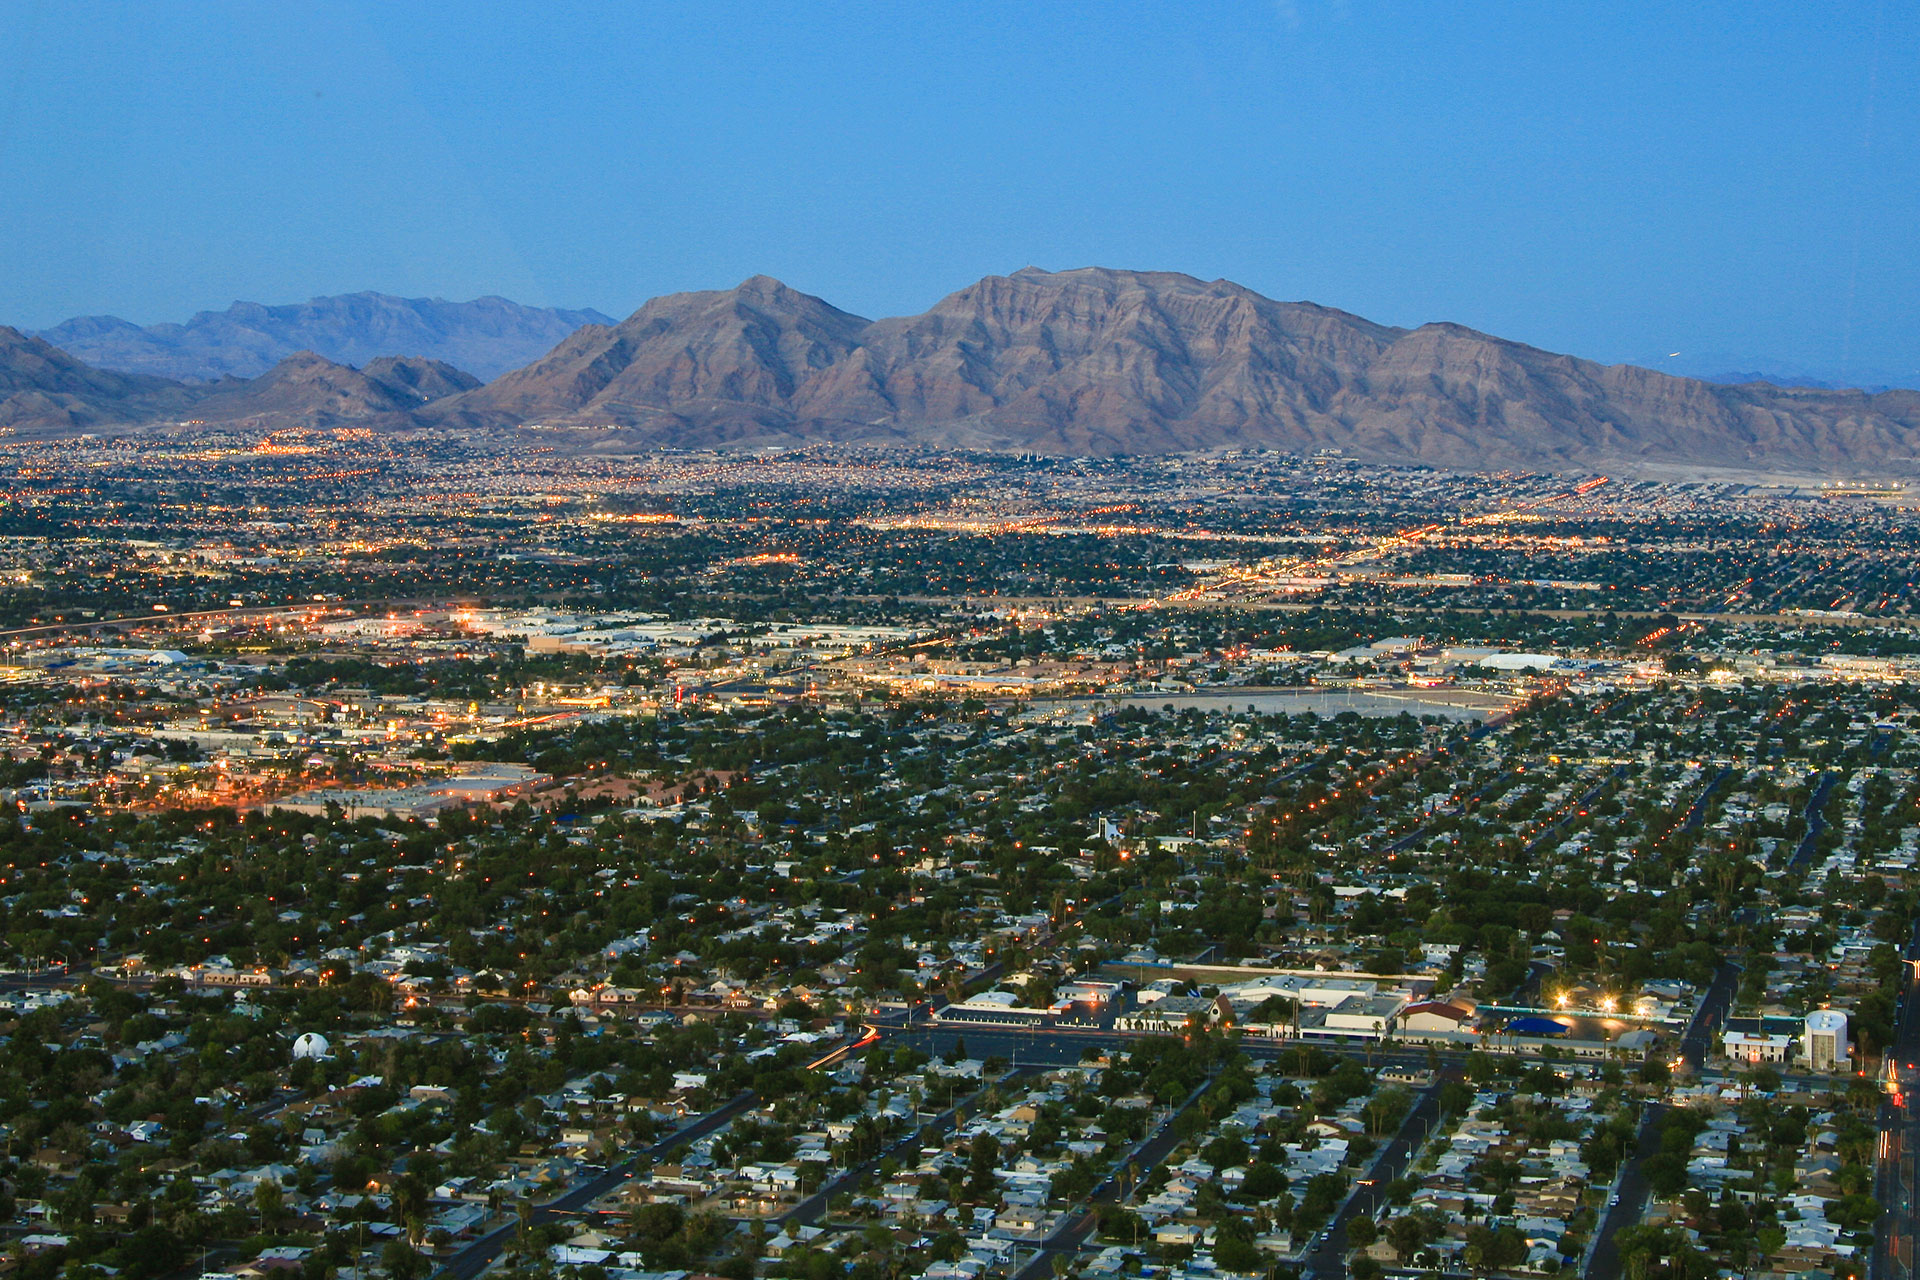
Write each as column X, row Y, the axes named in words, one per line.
column 1086, row 362
column 45, row 391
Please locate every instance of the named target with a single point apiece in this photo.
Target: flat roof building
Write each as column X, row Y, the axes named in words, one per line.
column 1824, row 1044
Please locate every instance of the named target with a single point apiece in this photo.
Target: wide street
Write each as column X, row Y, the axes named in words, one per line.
column 1066, row 1047
column 1898, row 1149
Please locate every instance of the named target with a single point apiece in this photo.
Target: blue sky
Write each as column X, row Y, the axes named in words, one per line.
column 1730, row 181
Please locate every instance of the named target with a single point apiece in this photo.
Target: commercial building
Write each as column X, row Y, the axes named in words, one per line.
column 1753, row 1047
column 1824, row 1045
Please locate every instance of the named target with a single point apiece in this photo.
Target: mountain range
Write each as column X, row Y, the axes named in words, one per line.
column 487, row 336
column 45, row 391
column 1084, row 362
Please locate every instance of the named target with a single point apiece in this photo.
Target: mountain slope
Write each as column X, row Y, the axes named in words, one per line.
column 706, row 365
column 44, row 389
column 1096, row 361
column 488, row 335
column 415, row 381
column 1101, row 361
column 1091, row 361
column 309, row 390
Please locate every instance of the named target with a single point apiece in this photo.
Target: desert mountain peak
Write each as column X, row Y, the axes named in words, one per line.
column 1090, row 360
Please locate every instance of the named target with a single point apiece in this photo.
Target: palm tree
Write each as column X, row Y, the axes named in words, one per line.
column 523, row 1210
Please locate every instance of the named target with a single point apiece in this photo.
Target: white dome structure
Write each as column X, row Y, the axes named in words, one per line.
column 312, row 1045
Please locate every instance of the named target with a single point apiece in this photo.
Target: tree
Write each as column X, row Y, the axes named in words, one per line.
column 410, row 1195
column 660, row 1221
column 152, row 1251
column 402, row 1261
column 269, row 1202
column 1854, row 1212
column 1233, row 1246
column 1498, row 1249
column 1264, row 1181
column 1666, row 1174
column 1408, row 1234
column 1362, row 1232
column 981, row 1162
column 1225, row 1151
column 523, row 1214
column 1120, row 1225
column 1384, row 1110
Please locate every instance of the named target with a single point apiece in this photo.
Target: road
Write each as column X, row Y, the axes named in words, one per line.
column 44, row 979
column 82, row 625
column 1893, row 1234
column 1603, row 1260
column 1896, row 1170
column 473, row 1259
column 1327, row 1254
column 1697, row 813
column 1816, row 823
column 1066, row 1047
column 811, row 1208
column 1712, row 1013
column 1579, row 807
column 1070, row 1235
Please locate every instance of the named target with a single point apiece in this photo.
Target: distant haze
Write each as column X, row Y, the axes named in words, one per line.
column 1722, row 366
column 485, row 337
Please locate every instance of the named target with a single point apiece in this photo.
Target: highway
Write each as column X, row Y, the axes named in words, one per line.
column 1896, row 1172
